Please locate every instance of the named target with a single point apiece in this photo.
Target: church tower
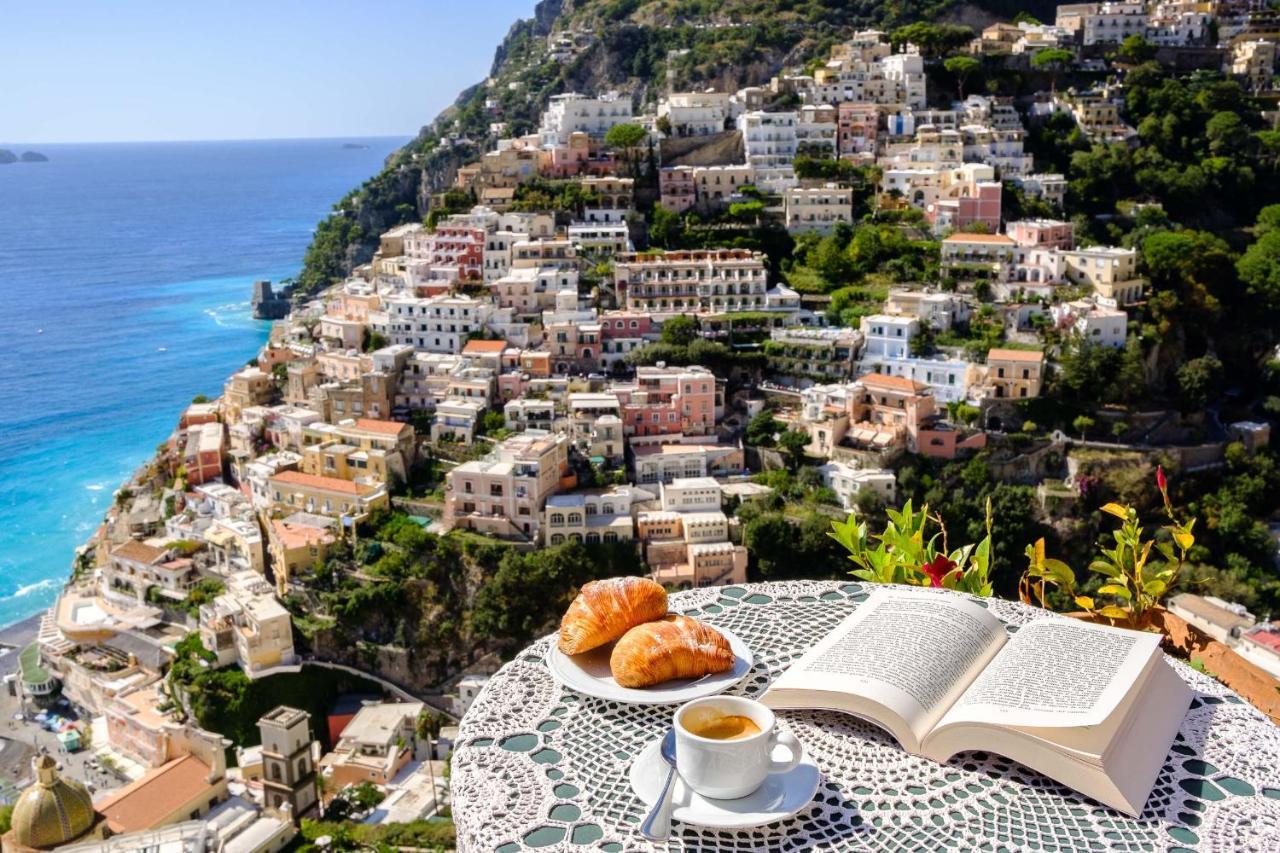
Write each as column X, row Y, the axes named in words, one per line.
column 288, row 763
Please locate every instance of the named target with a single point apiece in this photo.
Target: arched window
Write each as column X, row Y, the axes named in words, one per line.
column 557, row 518
column 557, row 538
column 575, row 518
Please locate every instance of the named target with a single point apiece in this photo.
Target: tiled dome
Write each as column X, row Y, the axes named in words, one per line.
column 53, row 811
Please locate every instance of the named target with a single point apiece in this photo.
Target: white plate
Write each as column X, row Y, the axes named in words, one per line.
column 781, row 796
column 589, row 673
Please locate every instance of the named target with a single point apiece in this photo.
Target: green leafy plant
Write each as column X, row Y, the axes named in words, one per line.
column 1136, row 579
column 905, row 553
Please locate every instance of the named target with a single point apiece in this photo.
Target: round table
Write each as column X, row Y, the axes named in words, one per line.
column 539, row 766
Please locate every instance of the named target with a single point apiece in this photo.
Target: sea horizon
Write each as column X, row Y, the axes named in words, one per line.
column 402, row 138
column 127, row 269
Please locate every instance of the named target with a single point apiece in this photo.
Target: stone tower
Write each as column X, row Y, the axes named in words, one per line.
column 288, row 763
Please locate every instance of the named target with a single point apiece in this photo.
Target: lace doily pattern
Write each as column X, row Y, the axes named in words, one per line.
column 538, row 766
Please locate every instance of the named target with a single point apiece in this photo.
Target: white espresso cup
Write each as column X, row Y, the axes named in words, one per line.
column 731, row 768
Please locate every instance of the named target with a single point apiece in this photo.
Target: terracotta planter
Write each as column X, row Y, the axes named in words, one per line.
column 1187, row 642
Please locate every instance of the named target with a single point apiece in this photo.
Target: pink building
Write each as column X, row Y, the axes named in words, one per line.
column 1042, row 233
column 677, row 192
column 202, row 455
column 978, row 205
column 504, row 493
column 857, row 128
column 669, row 400
column 457, row 246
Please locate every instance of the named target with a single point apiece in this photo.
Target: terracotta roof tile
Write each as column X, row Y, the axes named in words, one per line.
column 1000, row 239
column 1016, row 355
column 156, row 796
column 382, row 427
column 139, row 551
column 315, row 481
column 897, row 383
column 478, row 347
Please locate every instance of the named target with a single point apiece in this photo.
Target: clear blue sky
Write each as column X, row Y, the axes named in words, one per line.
column 88, row 70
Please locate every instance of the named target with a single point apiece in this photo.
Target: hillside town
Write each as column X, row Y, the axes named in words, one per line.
column 587, row 342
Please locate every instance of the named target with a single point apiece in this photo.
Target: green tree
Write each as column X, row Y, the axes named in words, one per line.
column 793, row 442
column 769, row 538
column 1227, row 134
column 626, row 139
column 1136, row 49
column 680, row 330
column 665, row 228
column 1053, row 60
column 761, row 430
column 932, row 39
column 1199, row 382
column 961, row 67
column 1259, row 269
column 1083, row 424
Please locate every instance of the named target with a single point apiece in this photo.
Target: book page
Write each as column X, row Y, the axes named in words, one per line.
column 912, row 652
column 1057, row 672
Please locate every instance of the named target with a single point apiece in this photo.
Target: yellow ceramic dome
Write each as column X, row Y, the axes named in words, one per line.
column 53, row 811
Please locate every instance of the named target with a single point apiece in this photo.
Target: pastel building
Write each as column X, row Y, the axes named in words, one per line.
column 817, row 208
column 505, row 493
column 292, row 491
column 849, row 482
column 669, row 400
column 375, row 746
column 695, row 113
column 248, row 627
column 694, row 281
column 593, row 516
column 202, row 455
column 1014, row 374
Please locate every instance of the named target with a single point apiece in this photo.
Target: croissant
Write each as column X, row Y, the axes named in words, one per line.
column 674, row 647
column 605, row 610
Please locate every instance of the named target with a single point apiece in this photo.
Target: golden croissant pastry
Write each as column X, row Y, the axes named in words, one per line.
column 674, row 647
column 605, row 610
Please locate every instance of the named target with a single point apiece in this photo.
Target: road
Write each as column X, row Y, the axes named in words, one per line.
column 24, row 739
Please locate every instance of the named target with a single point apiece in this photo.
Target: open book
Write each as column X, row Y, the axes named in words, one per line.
column 1092, row 707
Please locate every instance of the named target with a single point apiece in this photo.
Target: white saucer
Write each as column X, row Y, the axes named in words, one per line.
column 781, row 795
column 588, row 673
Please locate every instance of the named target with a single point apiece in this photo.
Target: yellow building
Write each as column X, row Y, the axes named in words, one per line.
column 183, row 789
column 1111, row 271
column 298, row 542
column 1015, row 374
column 295, row 490
column 249, row 386
column 247, row 626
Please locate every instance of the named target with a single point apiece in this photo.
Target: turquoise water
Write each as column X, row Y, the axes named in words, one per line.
column 126, row 272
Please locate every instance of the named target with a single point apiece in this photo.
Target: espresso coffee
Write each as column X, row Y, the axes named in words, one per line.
column 722, row 726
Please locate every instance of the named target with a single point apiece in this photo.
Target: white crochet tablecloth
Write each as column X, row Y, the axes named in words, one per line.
column 539, row 766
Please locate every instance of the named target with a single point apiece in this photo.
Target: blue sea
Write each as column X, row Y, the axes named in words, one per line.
column 126, row 272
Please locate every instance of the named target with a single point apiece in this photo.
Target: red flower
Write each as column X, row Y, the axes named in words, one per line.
column 1161, row 483
column 938, row 569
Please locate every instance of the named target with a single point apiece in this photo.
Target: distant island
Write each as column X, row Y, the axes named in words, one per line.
column 7, row 156
column 354, row 145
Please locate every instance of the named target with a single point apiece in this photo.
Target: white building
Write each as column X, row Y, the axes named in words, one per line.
column 691, row 494
column 436, row 323
column 887, row 336
column 574, row 113
column 1095, row 324
column 817, row 208
column 848, row 482
column 695, row 113
column 769, row 140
